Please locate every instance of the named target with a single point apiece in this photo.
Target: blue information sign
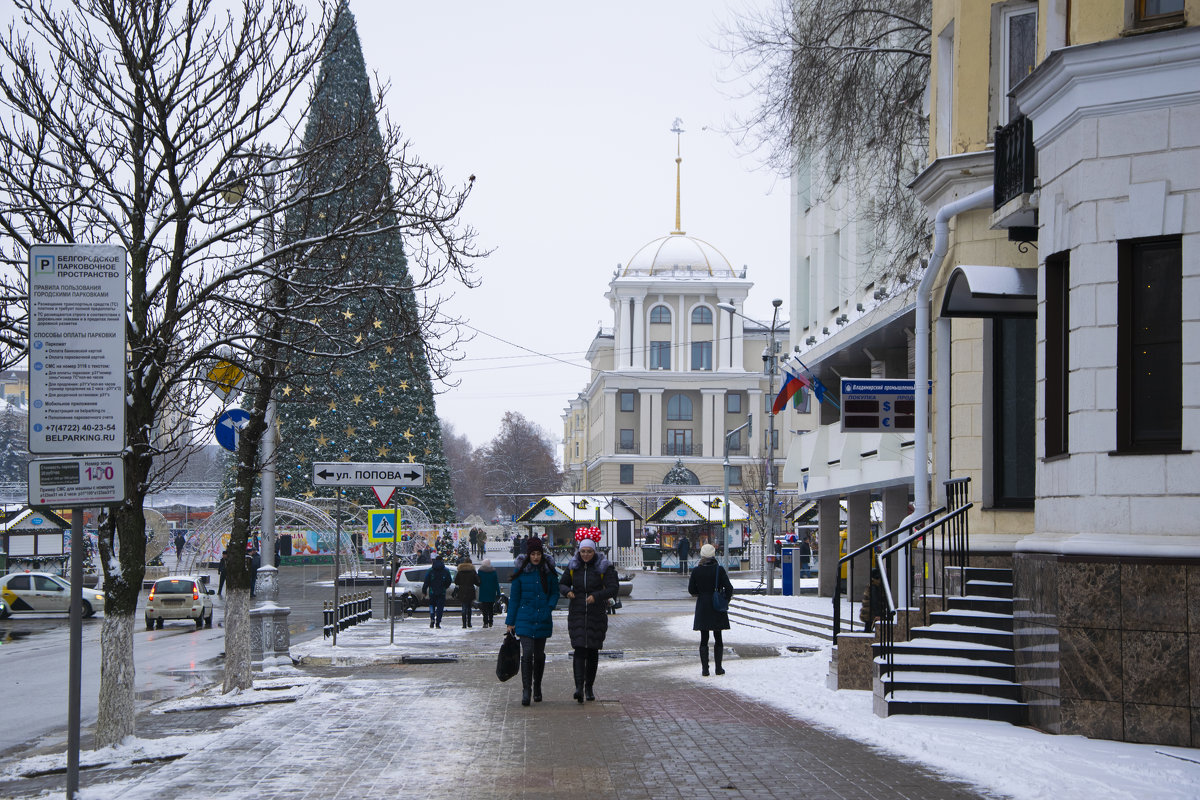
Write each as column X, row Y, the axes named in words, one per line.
column 229, row 425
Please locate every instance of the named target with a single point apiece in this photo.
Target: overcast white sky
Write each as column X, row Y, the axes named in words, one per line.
column 563, row 112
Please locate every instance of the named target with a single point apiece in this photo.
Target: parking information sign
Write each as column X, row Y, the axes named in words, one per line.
column 76, row 349
column 879, row 405
column 76, row 481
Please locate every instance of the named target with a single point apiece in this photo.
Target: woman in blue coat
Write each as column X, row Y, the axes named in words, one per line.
column 531, row 598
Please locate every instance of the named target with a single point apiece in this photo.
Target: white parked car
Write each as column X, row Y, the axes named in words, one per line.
column 42, row 592
column 179, row 597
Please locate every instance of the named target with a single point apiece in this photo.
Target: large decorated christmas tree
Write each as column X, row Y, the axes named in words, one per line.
column 358, row 384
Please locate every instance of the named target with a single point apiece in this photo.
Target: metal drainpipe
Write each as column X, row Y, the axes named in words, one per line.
column 941, row 236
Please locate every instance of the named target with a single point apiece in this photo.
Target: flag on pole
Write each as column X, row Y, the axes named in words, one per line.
column 798, row 376
column 791, row 384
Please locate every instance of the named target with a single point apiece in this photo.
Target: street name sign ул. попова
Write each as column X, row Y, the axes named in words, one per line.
column 350, row 473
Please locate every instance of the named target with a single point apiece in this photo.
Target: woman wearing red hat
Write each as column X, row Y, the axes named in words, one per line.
column 589, row 581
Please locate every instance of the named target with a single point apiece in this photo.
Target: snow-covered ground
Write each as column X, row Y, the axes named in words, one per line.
column 1017, row 762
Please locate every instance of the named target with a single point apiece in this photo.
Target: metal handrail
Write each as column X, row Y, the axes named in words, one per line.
column 849, row 560
column 955, row 521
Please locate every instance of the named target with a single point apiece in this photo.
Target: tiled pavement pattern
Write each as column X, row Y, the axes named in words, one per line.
column 453, row 731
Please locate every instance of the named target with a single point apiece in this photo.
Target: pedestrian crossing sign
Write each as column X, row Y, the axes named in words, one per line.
column 383, row 525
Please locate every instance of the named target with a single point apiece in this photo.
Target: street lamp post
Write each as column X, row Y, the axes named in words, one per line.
column 748, row 426
column 271, row 640
column 767, row 573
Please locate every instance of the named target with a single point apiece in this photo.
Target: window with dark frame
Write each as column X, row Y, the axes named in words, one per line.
column 702, row 355
column 660, row 355
column 735, row 476
column 1158, row 11
column 1014, row 358
column 679, row 407
column 735, row 441
column 702, row 315
column 626, row 439
column 626, row 401
column 733, row 403
column 626, row 473
column 679, row 442
column 660, row 315
column 1150, row 345
column 1058, row 363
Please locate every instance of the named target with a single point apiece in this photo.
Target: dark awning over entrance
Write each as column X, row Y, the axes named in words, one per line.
column 988, row 291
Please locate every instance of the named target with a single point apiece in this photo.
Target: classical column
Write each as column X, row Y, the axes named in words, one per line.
column 650, row 421
column 711, row 417
column 640, row 357
column 829, row 523
column 608, row 440
column 754, row 398
column 858, row 533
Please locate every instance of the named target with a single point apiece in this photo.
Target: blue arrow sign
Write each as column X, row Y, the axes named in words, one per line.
column 229, row 425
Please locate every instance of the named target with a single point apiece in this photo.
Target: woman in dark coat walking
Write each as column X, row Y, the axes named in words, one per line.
column 532, row 595
column 489, row 591
column 589, row 581
column 466, row 579
column 706, row 578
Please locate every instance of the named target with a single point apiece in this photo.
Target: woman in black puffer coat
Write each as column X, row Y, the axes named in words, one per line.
column 589, row 581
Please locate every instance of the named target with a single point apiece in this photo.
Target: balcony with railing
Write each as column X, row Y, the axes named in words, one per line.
column 680, row 448
column 629, row 447
column 1015, row 178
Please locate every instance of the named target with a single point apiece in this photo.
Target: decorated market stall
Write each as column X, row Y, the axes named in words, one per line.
column 699, row 518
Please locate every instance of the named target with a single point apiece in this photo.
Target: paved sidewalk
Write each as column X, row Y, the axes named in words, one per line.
column 381, row 728
column 452, row 730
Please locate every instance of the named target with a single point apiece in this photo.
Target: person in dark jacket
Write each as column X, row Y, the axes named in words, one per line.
column 436, row 582
column 707, row 577
column 221, row 566
column 532, row 595
column 683, row 546
column 872, row 602
column 253, row 562
column 589, row 581
column 466, row 580
column 489, row 591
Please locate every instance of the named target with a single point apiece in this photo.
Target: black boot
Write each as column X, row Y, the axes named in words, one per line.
column 526, row 680
column 539, row 667
column 589, row 677
column 578, row 666
column 718, row 650
column 704, row 659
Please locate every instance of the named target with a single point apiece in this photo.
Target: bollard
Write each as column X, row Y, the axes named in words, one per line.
column 370, row 600
column 328, row 620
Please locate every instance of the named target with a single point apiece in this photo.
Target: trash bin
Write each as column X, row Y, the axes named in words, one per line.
column 651, row 556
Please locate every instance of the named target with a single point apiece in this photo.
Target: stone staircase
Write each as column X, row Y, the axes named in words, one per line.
column 962, row 663
column 746, row 610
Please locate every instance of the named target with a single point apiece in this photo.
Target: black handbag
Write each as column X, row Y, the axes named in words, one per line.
column 508, row 662
column 719, row 600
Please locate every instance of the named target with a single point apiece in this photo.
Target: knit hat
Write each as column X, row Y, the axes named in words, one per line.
column 588, row 543
column 533, row 543
column 708, row 551
column 486, row 565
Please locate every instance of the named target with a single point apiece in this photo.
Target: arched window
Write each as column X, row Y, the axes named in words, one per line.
column 679, row 407
column 660, row 314
column 702, row 315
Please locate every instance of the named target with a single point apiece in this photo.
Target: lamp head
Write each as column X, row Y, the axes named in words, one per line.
column 777, row 302
column 727, row 307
